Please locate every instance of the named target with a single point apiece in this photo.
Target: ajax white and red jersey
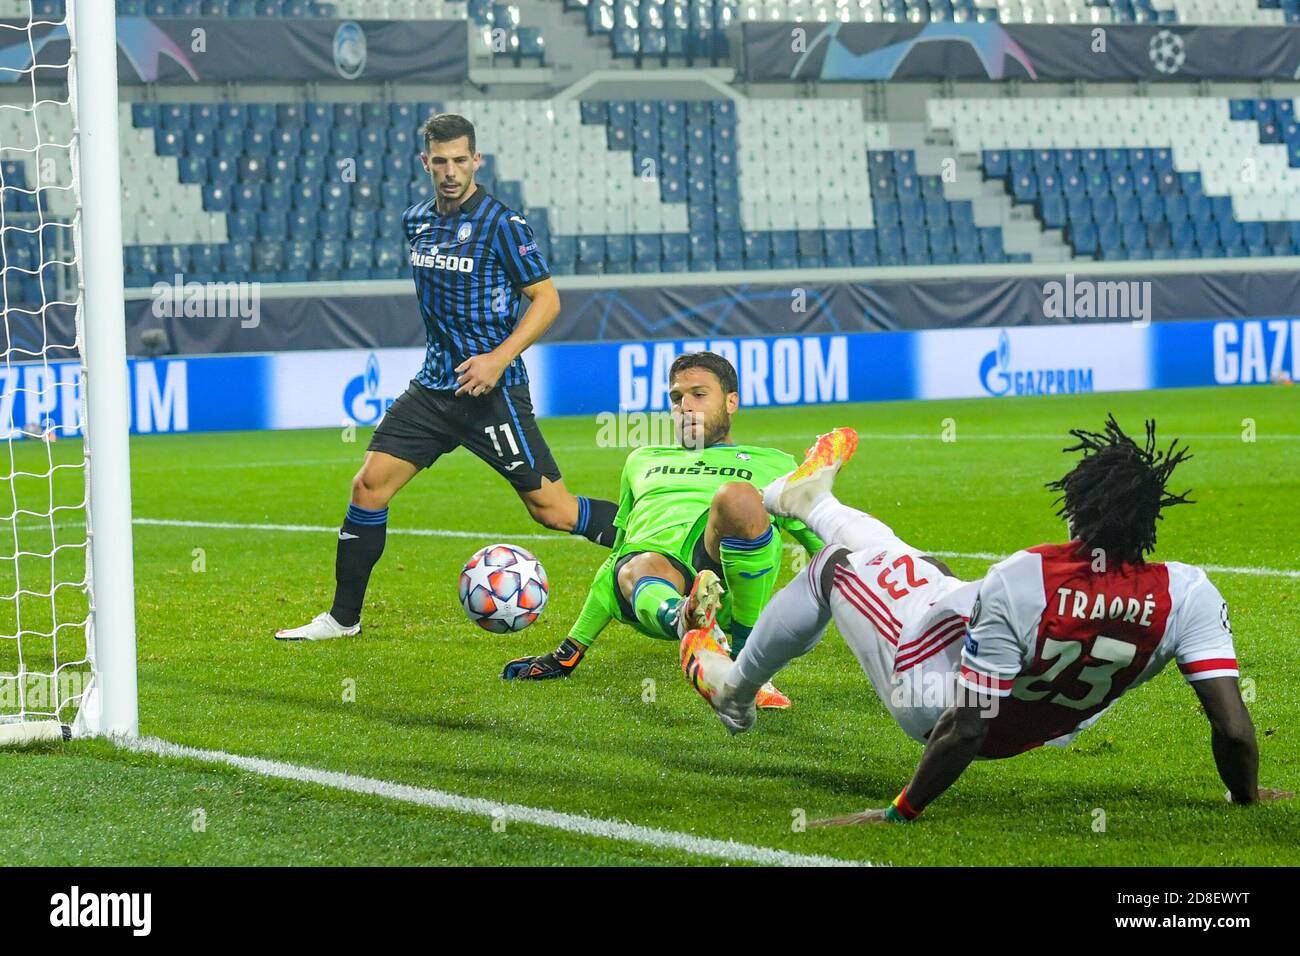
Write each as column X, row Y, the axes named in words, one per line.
column 1058, row 642
column 904, row 621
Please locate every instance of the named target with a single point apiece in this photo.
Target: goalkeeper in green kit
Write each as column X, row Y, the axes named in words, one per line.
column 694, row 547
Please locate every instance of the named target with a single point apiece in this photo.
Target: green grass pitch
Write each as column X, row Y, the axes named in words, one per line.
column 417, row 699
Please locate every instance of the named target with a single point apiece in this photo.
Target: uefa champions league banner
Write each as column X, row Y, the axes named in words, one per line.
column 998, row 51
column 339, row 388
column 269, row 49
column 663, row 311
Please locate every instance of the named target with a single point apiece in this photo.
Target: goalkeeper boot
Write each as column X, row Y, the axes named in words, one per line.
column 793, row 495
column 699, row 609
column 769, row 698
column 322, row 627
column 559, row 663
column 705, row 663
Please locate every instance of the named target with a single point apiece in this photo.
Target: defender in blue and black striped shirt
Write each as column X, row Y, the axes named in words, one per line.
column 473, row 260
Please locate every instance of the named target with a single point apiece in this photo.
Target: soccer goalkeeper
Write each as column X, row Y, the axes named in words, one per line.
column 690, row 516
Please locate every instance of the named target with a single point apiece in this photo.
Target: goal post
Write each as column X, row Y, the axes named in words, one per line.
column 67, row 602
column 92, row 87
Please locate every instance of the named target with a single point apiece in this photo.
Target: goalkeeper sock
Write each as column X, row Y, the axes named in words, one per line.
column 750, row 566
column 596, row 520
column 361, row 542
column 655, row 601
column 736, row 638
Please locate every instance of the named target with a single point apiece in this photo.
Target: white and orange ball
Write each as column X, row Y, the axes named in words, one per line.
column 503, row 588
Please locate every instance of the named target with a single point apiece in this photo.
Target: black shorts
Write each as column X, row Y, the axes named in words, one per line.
column 423, row 424
column 699, row 557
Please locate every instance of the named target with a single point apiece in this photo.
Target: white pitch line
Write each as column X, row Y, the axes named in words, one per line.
column 560, row 537
column 333, row 529
column 581, row 824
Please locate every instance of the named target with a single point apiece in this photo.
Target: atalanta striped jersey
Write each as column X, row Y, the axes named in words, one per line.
column 469, row 267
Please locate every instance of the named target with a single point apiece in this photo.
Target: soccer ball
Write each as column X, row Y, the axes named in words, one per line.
column 503, row 588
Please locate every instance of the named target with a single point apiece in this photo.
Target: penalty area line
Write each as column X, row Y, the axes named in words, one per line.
column 582, row 825
column 560, row 537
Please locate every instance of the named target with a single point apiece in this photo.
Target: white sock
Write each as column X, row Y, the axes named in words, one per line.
column 837, row 523
column 789, row 627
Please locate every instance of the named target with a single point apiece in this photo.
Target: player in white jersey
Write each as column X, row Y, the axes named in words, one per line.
column 1053, row 635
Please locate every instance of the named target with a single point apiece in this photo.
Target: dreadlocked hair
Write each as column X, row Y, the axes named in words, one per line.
column 1114, row 496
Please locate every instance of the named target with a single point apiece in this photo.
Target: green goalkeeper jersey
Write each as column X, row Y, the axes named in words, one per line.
column 666, row 490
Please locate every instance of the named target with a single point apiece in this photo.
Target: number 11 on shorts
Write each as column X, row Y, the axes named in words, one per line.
column 504, row 427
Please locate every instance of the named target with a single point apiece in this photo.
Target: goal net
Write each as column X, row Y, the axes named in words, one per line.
column 50, row 681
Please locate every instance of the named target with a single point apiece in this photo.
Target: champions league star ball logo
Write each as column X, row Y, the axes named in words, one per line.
column 349, row 50
column 1167, row 51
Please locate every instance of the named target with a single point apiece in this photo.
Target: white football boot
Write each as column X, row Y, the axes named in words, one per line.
column 323, row 627
column 793, row 495
column 699, row 609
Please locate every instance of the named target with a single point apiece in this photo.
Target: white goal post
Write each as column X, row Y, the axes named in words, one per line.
column 67, row 637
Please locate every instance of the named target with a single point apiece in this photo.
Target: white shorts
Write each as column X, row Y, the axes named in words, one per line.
column 905, row 621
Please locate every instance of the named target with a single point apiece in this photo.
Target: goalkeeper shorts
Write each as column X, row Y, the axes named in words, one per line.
column 693, row 550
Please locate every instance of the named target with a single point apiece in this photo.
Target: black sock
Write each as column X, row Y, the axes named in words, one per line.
column 596, row 520
column 361, row 542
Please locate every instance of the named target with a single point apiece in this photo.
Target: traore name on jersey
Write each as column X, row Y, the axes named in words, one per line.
column 469, row 268
column 1059, row 642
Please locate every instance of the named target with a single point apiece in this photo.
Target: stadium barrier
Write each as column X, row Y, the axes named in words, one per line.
column 219, row 50
column 208, row 318
column 945, row 50
column 353, row 387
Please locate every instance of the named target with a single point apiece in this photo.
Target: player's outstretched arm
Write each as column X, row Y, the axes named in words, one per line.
column 1232, row 738
column 954, row 743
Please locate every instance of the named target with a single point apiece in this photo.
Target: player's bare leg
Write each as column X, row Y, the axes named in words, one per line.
column 360, row 544
column 554, row 506
column 739, row 536
column 653, row 587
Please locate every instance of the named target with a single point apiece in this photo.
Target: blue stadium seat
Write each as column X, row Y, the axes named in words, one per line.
column 590, row 255
column 647, row 253
column 216, row 198
column 192, row 169
column 204, row 260
column 757, row 250
column 272, row 225
column 359, row 257
column 1083, row 236
column 838, row 248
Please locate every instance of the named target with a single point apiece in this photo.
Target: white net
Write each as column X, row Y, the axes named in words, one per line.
column 45, row 605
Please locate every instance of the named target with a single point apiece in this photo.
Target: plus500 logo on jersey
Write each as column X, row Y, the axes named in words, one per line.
column 726, row 472
column 439, row 260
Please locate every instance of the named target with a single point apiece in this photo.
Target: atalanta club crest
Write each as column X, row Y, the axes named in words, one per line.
column 349, row 50
column 463, row 232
